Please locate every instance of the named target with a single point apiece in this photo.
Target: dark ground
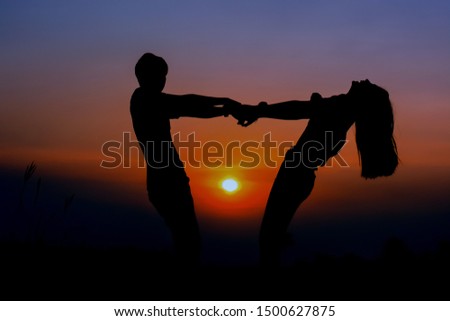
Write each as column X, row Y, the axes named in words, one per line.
column 51, row 273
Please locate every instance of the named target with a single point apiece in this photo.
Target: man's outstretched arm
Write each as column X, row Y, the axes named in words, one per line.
column 192, row 105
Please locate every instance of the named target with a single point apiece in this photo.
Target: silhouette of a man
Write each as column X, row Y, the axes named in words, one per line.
column 167, row 183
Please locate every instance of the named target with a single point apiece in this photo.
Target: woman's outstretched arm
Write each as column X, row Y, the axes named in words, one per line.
column 288, row 110
column 294, row 109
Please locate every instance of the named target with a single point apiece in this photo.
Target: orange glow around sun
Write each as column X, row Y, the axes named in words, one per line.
column 246, row 199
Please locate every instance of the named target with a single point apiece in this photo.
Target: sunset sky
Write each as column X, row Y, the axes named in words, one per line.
column 67, row 73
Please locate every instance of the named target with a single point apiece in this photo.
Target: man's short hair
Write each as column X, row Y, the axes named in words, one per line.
column 150, row 66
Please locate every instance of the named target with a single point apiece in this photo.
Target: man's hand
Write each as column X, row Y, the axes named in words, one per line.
column 245, row 115
column 230, row 106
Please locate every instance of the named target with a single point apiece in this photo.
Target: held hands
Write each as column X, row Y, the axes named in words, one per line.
column 245, row 114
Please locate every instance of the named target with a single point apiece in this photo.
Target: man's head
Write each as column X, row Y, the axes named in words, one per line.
column 151, row 72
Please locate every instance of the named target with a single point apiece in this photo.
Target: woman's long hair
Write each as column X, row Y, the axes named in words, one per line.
column 374, row 131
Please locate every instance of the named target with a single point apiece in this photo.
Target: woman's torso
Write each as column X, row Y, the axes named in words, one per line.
column 326, row 131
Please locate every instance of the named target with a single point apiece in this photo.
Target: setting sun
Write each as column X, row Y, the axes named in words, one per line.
column 230, row 185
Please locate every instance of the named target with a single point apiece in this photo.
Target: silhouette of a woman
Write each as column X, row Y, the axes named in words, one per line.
column 367, row 106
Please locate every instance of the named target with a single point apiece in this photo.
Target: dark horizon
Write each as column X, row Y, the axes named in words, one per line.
column 116, row 225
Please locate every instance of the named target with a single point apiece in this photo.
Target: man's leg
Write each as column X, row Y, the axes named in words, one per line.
column 176, row 206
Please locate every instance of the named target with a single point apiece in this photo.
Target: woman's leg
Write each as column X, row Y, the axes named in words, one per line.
column 291, row 187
